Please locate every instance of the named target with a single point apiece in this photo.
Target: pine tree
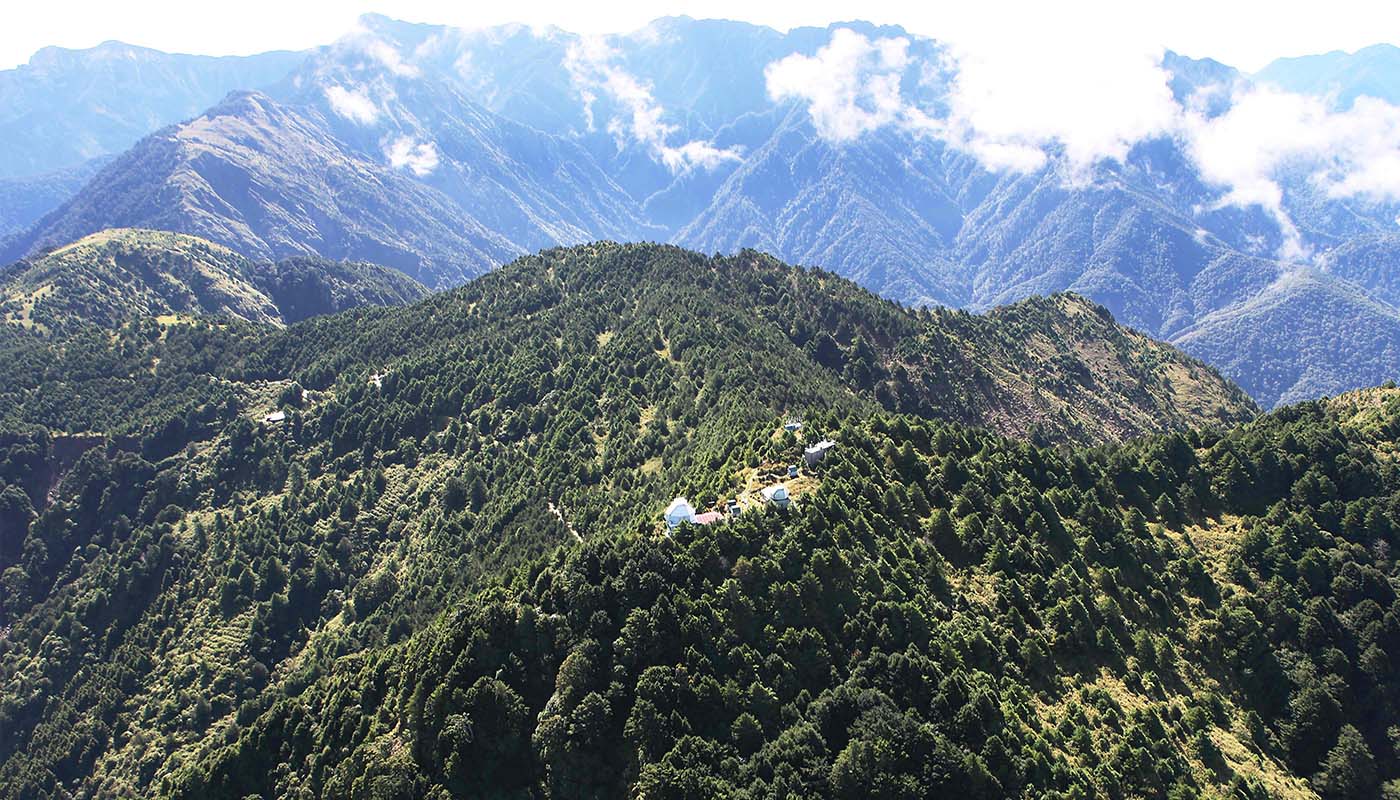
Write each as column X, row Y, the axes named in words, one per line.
column 1349, row 771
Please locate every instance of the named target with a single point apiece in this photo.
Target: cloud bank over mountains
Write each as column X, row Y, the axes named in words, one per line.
column 851, row 86
column 1017, row 103
column 591, row 64
column 1017, row 100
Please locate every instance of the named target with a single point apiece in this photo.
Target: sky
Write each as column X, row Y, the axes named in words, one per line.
column 1244, row 33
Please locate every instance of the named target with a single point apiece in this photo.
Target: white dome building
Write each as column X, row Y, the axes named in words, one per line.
column 679, row 511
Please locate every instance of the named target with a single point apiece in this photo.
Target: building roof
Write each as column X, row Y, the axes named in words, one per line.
column 820, row 447
column 276, row 416
column 778, row 492
column 680, row 508
column 707, row 518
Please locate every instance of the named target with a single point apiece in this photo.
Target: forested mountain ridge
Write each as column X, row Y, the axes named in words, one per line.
column 1057, row 368
column 121, row 275
column 947, row 612
column 173, row 561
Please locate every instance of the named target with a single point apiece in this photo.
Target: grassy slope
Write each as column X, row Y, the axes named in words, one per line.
column 119, row 275
column 115, row 275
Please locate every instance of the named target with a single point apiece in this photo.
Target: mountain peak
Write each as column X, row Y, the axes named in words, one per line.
column 55, row 56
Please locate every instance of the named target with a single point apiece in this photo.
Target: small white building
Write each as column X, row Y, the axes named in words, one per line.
column 793, row 425
column 679, row 511
column 777, row 495
column 817, row 452
column 275, row 418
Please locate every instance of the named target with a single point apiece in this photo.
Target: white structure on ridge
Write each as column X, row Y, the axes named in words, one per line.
column 817, row 452
column 777, row 495
column 679, row 511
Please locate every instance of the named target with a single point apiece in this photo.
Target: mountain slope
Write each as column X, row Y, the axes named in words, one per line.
column 66, row 107
column 534, row 188
column 120, row 275
column 270, row 183
column 446, row 573
column 307, row 287
column 1040, row 366
column 1308, row 335
column 1371, row 72
column 906, row 631
column 24, row 200
column 443, row 153
column 880, row 211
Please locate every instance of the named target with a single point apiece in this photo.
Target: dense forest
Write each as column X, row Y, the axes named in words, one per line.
column 1183, row 617
column 1046, row 557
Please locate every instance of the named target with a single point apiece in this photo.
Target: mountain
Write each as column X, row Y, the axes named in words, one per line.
column 445, row 572
column 443, row 153
column 66, row 107
column 1369, row 72
column 1309, row 334
column 272, row 183
column 888, row 214
column 307, row 287
column 24, row 200
column 120, row 275
column 1055, row 368
column 533, row 188
column 863, row 645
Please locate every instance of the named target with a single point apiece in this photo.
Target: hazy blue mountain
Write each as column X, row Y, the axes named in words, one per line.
column 1371, row 71
column 65, row 106
column 272, row 183
column 1306, row 335
column 24, row 200
column 533, row 188
column 1191, row 75
column 884, row 210
column 1369, row 261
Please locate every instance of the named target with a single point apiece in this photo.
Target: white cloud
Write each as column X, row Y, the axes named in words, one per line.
column 389, row 57
column 851, row 85
column 1354, row 153
column 352, row 104
column 1018, row 101
column 696, row 153
column 419, row 157
column 589, row 62
column 1010, row 97
column 367, row 43
column 1016, row 92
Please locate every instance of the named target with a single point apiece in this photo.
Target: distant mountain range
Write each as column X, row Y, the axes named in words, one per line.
column 444, row 153
column 68, row 106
